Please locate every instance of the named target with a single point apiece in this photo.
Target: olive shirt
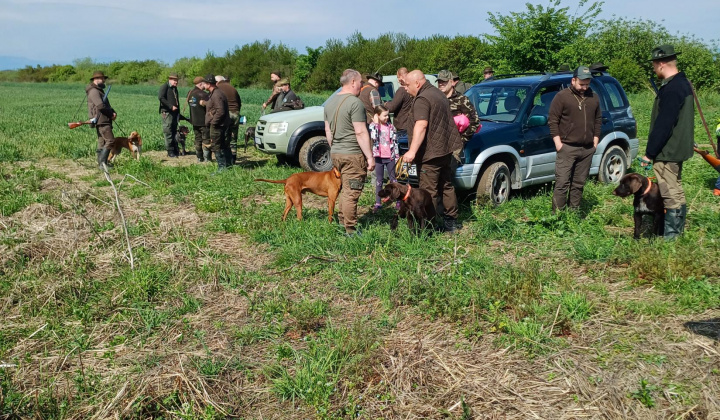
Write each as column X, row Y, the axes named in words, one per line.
column 349, row 109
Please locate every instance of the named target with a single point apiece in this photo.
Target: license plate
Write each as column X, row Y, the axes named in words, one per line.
column 412, row 170
column 258, row 141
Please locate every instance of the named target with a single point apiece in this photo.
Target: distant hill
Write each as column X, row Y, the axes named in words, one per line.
column 8, row 62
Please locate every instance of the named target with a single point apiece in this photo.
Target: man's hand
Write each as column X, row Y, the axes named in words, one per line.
column 174, row 108
column 371, row 163
column 645, row 161
column 558, row 143
column 114, row 116
column 264, row 105
column 409, row 157
column 596, row 140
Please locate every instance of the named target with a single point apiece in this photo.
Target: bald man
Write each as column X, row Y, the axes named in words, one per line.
column 434, row 138
column 401, row 107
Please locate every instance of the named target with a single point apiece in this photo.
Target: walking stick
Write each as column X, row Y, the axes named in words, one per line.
column 702, row 117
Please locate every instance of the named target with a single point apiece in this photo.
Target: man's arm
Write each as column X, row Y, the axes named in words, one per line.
column 554, row 121
column 472, row 115
column 95, row 98
column 396, row 103
column 419, row 131
column 328, row 133
column 375, row 98
column 363, row 139
column 598, row 125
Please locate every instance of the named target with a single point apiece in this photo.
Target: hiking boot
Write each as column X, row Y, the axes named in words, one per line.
column 450, row 225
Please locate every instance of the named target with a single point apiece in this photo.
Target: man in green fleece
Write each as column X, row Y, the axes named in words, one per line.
column 671, row 138
column 575, row 121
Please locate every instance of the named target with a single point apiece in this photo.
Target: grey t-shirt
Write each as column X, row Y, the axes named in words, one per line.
column 350, row 109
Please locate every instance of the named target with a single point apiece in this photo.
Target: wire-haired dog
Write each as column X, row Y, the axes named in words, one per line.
column 181, row 137
column 647, row 201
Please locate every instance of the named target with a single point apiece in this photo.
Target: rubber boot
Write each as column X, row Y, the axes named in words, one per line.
column 103, row 159
column 199, row 155
column 221, row 161
column 683, row 216
column 98, row 152
column 228, row 158
column 674, row 223
column 207, row 154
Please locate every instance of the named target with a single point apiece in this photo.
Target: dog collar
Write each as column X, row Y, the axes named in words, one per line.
column 407, row 194
column 647, row 190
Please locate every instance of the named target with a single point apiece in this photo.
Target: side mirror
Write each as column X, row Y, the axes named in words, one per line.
column 537, row 121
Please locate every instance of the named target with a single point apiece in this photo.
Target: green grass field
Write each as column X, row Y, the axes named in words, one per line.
column 231, row 313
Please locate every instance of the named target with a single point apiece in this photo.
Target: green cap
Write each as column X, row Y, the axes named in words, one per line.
column 445, row 75
column 582, row 73
column 283, row 82
column 663, row 51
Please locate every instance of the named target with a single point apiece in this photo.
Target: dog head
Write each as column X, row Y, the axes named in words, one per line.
column 629, row 185
column 183, row 130
column 392, row 191
column 135, row 143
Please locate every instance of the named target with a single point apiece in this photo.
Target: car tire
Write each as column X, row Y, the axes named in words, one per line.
column 315, row 155
column 613, row 165
column 495, row 184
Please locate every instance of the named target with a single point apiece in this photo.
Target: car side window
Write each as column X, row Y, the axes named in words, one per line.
column 543, row 98
column 387, row 92
column 615, row 98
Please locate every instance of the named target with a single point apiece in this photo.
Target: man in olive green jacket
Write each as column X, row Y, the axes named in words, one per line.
column 671, row 138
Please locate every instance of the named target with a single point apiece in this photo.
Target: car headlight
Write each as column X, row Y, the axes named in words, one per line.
column 277, row 128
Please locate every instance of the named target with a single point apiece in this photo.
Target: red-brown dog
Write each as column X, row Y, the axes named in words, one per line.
column 325, row 184
column 133, row 143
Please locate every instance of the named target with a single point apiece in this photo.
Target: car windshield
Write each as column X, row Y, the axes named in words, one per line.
column 497, row 103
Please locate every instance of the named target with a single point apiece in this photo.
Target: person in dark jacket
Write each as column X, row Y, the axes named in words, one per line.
column 275, row 77
column 217, row 119
column 575, row 121
column 170, row 111
column 434, row 138
column 671, row 137
column 370, row 96
column 102, row 115
column 234, row 106
column 401, row 107
column 287, row 99
column 196, row 99
column 489, row 74
column 459, row 105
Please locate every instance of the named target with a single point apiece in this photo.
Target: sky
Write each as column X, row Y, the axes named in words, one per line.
column 60, row 31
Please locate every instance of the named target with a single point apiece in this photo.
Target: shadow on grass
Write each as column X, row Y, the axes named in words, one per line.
column 709, row 328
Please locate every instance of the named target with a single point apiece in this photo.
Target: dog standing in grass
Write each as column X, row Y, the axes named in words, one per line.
column 181, row 137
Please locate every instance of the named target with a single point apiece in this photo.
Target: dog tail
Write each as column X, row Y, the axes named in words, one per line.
column 274, row 181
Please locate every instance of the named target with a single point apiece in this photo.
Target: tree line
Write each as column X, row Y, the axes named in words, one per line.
column 537, row 39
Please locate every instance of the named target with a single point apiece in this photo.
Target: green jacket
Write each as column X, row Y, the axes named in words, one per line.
column 672, row 122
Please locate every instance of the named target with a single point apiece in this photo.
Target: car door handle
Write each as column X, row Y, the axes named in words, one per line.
column 605, row 120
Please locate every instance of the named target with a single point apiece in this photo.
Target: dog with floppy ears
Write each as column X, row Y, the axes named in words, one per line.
column 416, row 206
column 648, row 200
column 133, row 143
column 325, row 184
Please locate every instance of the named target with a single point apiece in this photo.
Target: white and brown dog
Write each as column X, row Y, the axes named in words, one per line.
column 133, row 143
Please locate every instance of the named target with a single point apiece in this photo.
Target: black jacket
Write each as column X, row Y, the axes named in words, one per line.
column 672, row 123
column 197, row 111
column 168, row 96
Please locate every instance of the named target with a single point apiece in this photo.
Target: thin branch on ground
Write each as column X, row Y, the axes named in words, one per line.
column 122, row 216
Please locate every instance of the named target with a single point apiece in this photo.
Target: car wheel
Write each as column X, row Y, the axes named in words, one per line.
column 613, row 165
column 315, row 155
column 494, row 185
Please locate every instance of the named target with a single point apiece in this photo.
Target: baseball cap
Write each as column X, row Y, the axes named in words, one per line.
column 582, row 73
column 445, row 75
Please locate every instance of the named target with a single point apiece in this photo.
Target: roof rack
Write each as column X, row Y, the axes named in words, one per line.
column 509, row 75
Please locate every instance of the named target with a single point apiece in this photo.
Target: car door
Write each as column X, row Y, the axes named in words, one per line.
column 538, row 147
column 607, row 117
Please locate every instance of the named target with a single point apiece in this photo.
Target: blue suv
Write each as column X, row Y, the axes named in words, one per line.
column 514, row 149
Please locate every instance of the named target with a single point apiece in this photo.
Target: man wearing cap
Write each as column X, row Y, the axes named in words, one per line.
column 170, row 111
column 286, row 99
column 275, row 77
column 102, row 115
column 435, row 136
column 196, row 99
column 401, row 107
column 234, row 105
column 488, row 74
column 459, row 86
column 459, row 105
column 370, row 96
column 350, row 146
column 217, row 118
column 671, row 137
column 575, row 120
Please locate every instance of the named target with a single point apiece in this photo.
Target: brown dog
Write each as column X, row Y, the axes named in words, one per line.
column 133, row 143
column 325, row 184
column 416, row 205
column 648, row 200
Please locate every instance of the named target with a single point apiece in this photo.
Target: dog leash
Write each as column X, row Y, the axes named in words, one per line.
column 121, row 130
column 401, row 170
column 648, row 167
